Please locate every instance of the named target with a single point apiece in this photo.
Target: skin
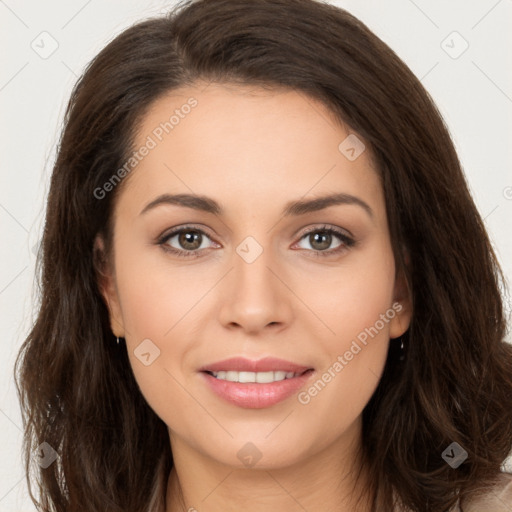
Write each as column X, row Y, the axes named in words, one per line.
column 253, row 151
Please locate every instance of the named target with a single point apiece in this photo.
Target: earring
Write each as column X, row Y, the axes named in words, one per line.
column 118, row 340
column 402, row 355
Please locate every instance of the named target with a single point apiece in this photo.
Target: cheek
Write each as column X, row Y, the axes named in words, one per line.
column 352, row 297
column 156, row 306
column 154, row 295
column 351, row 369
column 157, row 345
column 355, row 308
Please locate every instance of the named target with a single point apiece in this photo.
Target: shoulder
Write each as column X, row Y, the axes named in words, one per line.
column 496, row 499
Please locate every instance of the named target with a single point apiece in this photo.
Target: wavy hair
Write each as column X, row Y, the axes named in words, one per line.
column 75, row 385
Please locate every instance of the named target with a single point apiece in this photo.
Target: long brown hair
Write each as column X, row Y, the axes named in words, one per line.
column 77, row 390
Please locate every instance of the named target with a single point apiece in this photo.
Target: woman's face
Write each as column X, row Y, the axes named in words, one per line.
column 251, row 281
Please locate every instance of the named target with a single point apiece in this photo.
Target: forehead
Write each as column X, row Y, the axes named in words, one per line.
column 245, row 145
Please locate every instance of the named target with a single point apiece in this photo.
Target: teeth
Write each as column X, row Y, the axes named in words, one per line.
column 259, row 377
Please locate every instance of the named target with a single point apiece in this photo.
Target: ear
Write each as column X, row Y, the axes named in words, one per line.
column 402, row 305
column 107, row 285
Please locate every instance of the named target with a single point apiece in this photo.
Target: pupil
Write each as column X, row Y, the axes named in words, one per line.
column 188, row 238
column 327, row 240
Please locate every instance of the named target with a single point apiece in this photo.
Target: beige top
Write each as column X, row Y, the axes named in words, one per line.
column 496, row 499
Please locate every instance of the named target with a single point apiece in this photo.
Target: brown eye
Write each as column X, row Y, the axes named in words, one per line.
column 188, row 240
column 321, row 239
column 185, row 241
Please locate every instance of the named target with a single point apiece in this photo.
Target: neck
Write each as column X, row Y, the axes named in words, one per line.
column 323, row 482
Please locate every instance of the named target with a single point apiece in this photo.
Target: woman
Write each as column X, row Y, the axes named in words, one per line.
column 262, row 203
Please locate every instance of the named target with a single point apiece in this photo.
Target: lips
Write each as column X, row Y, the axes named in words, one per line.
column 255, row 394
column 268, row 364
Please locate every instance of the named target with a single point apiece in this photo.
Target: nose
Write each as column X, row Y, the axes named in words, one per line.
column 255, row 295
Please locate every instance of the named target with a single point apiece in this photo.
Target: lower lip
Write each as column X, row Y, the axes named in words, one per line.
column 253, row 395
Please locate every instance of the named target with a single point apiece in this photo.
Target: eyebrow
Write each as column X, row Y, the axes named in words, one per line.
column 293, row 208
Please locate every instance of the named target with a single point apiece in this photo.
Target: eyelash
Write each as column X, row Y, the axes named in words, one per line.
column 347, row 242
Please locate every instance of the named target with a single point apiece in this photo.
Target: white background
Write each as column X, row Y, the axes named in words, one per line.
column 473, row 93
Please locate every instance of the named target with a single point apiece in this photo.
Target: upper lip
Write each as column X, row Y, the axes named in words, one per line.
column 267, row 364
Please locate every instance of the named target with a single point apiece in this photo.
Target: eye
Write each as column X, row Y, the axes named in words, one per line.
column 189, row 240
column 321, row 238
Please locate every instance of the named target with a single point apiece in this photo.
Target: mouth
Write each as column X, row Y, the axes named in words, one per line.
column 245, row 377
column 266, row 365
column 255, row 384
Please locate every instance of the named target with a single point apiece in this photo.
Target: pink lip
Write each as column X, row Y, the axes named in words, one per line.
column 252, row 395
column 267, row 364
